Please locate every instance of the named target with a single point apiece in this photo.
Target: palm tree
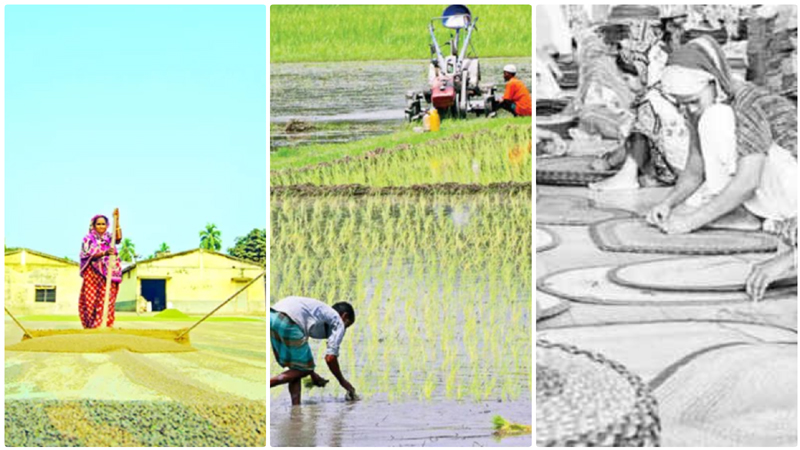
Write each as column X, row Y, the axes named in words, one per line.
column 128, row 251
column 163, row 250
column 211, row 238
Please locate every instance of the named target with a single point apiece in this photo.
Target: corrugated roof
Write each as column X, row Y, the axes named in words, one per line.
column 14, row 251
column 186, row 252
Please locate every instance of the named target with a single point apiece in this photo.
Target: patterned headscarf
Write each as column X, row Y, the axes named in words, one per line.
column 690, row 67
column 94, row 244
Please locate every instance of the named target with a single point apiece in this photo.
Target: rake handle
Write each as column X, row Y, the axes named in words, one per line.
column 250, row 283
column 18, row 324
column 109, row 271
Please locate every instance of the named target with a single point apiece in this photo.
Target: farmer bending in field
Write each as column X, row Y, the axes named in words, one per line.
column 291, row 322
column 517, row 99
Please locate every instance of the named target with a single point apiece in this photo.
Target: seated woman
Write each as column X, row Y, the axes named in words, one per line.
column 743, row 147
column 657, row 146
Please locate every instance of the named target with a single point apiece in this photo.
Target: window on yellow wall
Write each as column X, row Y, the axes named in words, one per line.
column 46, row 294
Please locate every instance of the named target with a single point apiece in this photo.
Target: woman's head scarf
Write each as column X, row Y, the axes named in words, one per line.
column 691, row 67
column 94, row 244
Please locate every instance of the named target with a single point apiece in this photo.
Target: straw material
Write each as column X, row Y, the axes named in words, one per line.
column 569, row 210
column 650, row 348
column 705, row 273
column 591, row 285
column 637, row 236
column 550, row 106
column 568, row 171
column 584, row 399
column 546, row 239
column 98, row 343
column 743, row 396
column 548, row 306
column 558, row 123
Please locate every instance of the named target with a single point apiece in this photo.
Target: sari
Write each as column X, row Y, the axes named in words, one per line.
column 94, row 270
column 761, row 123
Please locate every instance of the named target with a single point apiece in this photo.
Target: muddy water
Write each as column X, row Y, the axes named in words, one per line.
column 358, row 94
column 335, row 423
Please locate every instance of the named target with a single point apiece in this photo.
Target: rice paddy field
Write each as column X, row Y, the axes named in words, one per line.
column 442, row 291
column 387, row 32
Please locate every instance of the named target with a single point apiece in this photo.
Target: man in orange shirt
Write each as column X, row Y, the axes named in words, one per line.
column 517, row 99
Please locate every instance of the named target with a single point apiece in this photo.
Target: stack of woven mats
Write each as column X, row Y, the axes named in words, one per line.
column 569, row 70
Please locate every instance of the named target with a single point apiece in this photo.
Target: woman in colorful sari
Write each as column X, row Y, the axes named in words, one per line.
column 95, row 252
column 741, row 171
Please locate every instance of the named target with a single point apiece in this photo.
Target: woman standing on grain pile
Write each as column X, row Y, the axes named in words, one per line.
column 95, row 252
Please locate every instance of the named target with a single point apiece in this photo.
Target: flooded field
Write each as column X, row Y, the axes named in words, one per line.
column 352, row 100
column 442, row 291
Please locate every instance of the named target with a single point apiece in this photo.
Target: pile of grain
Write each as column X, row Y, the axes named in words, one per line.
column 94, row 423
column 101, row 342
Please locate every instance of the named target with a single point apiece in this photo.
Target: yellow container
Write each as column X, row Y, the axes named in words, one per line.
column 435, row 120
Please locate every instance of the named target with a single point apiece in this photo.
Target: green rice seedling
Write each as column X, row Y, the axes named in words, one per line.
column 432, row 296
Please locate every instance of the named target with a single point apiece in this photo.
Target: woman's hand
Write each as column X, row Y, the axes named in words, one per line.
column 765, row 272
column 678, row 224
column 658, row 214
column 116, row 214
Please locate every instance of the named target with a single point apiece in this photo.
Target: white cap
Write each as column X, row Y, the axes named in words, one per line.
column 510, row 68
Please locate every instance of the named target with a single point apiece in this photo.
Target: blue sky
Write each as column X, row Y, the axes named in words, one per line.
column 157, row 110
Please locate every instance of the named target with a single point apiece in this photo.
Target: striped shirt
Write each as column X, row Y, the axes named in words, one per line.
column 763, row 118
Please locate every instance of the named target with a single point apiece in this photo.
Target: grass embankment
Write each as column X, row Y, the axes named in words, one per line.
column 482, row 157
column 387, row 32
column 293, row 158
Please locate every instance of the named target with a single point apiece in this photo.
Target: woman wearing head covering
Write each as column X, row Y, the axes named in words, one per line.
column 743, row 149
column 657, row 144
column 95, row 251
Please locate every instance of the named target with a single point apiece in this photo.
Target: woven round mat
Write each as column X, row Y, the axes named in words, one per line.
column 557, row 123
column 637, row 236
column 592, row 285
column 651, row 348
column 568, row 171
column 548, row 306
column 702, row 273
column 546, row 239
column 584, row 399
column 741, row 396
column 573, row 211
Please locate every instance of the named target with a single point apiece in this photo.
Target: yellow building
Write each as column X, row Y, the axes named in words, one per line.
column 194, row 281
column 38, row 283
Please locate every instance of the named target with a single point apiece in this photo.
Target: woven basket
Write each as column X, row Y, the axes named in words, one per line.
column 616, row 407
column 550, row 106
column 568, row 171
